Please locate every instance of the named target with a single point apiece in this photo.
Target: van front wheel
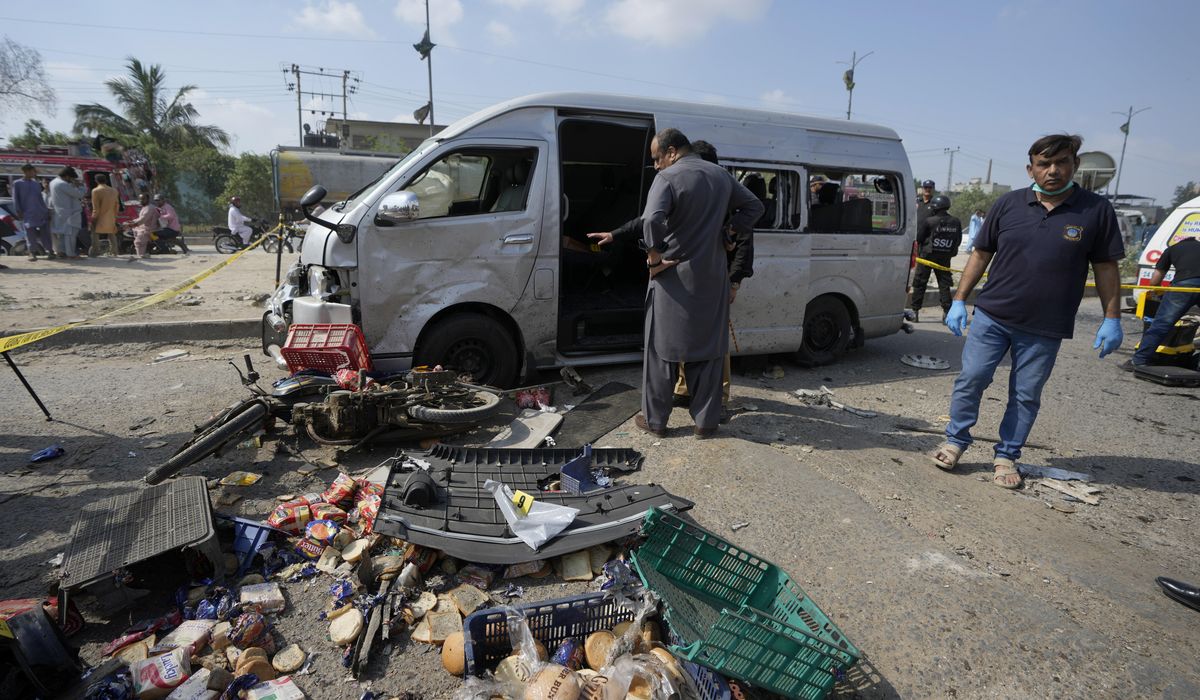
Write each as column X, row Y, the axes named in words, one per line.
column 474, row 346
column 827, row 332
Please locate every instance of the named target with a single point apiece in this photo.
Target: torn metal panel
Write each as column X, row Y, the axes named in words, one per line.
column 464, row 521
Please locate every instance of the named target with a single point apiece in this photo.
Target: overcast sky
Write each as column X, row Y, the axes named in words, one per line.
column 987, row 78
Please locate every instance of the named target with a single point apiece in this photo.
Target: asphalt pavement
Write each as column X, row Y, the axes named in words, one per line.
column 951, row 586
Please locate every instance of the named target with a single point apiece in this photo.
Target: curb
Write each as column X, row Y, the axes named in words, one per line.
column 168, row 332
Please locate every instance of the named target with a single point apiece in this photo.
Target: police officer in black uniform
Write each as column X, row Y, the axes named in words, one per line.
column 924, row 202
column 938, row 238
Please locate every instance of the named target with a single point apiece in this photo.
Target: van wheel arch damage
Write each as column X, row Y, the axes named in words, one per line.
column 483, row 338
column 830, row 329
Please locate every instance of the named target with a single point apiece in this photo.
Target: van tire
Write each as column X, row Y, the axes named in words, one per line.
column 827, row 332
column 472, row 344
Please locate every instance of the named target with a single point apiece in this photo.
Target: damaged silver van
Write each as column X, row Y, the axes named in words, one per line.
column 472, row 252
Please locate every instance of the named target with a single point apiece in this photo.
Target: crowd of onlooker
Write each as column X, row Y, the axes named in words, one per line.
column 58, row 225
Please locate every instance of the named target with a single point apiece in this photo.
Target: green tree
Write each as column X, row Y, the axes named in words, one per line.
column 148, row 115
column 194, row 178
column 251, row 180
column 1183, row 193
column 36, row 134
column 963, row 204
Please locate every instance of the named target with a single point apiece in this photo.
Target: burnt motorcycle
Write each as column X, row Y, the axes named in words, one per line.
column 414, row 405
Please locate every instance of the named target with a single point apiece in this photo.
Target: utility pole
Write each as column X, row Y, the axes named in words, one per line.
column 950, row 171
column 345, row 79
column 1121, row 165
column 848, row 77
column 425, row 48
column 299, row 106
column 347, row 89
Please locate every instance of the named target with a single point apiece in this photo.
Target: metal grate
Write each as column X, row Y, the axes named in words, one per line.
column 133, row 527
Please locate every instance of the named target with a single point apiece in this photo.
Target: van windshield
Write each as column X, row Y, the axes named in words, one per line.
column 415, row 154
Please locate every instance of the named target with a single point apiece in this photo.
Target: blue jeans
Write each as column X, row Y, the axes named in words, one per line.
column 1032, row 360
column 1172, row 307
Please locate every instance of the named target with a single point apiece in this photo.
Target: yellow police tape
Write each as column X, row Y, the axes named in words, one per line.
column 936, row 266
column 12, row 342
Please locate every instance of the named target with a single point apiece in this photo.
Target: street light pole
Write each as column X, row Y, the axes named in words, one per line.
column 429, row 65
column 1121, row 165
column 848, row 77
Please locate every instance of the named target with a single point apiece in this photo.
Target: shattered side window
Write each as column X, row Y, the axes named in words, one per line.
column 774, row 189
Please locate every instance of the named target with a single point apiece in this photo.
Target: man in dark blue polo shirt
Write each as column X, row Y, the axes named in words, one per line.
column 1039, row 242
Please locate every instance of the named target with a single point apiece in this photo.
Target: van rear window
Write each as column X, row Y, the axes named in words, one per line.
column 852, row 202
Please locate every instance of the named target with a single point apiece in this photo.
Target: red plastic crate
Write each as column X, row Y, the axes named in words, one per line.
column 327, row 347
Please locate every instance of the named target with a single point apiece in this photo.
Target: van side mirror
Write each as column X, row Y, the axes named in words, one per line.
column 399, row 207
column 313, row 196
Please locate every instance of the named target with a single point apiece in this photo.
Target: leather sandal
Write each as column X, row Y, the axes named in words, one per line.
column 1003, row 468
column 946, row 456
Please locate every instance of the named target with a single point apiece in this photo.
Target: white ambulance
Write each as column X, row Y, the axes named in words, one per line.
column 1182, row 223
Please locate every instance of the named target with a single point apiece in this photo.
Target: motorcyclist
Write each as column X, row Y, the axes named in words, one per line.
column 238, row 221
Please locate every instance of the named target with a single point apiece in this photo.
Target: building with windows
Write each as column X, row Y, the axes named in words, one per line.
column 978, row 183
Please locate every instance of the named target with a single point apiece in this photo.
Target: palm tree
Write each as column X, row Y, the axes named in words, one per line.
column 146, row 114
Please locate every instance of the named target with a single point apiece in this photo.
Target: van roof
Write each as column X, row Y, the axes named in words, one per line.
column 628, row 104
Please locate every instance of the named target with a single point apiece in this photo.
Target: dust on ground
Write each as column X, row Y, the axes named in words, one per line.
column 50, row 292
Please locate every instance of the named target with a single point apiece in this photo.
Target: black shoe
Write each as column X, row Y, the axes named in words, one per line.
column 1129, row 365
column 1180, row 592
column 945, row 313
column 916, row 315
column 681, row 400
column 704, row 433
column 640, row 421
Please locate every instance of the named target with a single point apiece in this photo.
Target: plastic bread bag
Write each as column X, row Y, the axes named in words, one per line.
column 521, row 639
column 537, row 522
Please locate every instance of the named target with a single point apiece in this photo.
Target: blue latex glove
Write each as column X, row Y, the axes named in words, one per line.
column 956, row 318
column 1109, row 337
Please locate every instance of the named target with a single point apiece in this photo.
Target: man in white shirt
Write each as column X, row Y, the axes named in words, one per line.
column 238, row 220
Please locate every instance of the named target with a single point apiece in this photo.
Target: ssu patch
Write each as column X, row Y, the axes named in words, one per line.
column 1073, row 233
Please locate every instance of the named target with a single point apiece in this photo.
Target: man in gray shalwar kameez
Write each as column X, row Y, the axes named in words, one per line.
column 687, row 302
column 66, row 209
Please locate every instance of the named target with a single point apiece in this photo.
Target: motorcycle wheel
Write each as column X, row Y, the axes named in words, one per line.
column 210, row 440
column 484, row 404
column 226, row 243
column 271, row 244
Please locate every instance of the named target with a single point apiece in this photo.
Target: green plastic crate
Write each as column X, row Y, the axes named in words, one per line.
column 738, row 613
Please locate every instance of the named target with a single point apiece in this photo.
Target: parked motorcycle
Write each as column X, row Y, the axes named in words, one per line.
column 416, row 404
column 12, row 231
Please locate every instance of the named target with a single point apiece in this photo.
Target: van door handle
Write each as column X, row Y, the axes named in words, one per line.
column 518, row 239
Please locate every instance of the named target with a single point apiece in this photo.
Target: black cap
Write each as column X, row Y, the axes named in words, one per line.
column 928, row 183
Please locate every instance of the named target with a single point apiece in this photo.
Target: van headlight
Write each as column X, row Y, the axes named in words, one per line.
column 294, row 273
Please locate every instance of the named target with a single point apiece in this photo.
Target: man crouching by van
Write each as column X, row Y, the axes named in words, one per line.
column 1039, row 241
column 687, row 301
